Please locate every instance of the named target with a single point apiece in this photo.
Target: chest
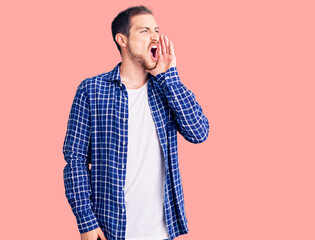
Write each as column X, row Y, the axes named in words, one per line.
column 110, row 103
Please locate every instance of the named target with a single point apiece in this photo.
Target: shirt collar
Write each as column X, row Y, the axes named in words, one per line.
column 115, row 74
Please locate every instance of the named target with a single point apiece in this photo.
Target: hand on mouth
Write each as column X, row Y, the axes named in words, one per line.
column 163, row 53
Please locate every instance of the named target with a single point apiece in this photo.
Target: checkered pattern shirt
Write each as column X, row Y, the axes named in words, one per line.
column 97, row 134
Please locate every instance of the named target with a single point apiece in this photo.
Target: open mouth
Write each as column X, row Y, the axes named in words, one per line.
column 154, row 52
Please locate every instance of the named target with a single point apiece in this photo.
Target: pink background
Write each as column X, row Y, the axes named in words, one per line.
column 250, row 65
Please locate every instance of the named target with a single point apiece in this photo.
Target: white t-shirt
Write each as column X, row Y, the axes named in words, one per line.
column 145, row 176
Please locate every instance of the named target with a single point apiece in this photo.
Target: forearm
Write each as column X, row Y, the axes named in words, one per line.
column 192, row 123
column 76, row 153
column 78, row 191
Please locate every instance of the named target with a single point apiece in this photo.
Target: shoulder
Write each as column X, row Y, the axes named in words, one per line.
column 102, row 80
column 90, row 83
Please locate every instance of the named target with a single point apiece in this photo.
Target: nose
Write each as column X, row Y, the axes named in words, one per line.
column 155, row 36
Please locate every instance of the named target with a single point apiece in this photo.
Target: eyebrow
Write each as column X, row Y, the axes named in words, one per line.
column 146, row 28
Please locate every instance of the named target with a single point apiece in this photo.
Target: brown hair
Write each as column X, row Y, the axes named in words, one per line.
column 121, row 23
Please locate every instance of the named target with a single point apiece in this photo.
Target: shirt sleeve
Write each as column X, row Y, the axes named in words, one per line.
column 76, row 174
column 192, row 124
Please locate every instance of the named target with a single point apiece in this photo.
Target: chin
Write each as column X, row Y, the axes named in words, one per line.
column 150, row 66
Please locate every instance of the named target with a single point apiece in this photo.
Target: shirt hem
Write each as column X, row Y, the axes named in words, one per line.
column 159, row 237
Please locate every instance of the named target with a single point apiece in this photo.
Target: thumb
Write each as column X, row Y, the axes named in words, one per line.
column 159, row 51
column 149, row 71
column 101, row 235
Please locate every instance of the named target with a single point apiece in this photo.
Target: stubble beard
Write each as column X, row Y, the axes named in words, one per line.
column 141, row 61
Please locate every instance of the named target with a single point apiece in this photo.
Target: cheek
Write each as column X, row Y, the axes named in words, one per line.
column 138, row 48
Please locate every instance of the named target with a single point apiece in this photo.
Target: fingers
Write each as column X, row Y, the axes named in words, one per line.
column 159, row 51
column 166, row 45
column 172, row 49
column 163, row 45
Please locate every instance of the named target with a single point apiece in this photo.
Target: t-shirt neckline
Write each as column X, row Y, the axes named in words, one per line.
column 138, row 89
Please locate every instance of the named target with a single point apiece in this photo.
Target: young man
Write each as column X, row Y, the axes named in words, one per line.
column 124, row 123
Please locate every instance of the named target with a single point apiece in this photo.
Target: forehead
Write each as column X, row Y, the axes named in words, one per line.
column 143, row 20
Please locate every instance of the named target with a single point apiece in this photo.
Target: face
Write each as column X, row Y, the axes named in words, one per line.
column 143, row 40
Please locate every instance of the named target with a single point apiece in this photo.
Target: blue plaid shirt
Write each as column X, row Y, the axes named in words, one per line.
column 97, row 134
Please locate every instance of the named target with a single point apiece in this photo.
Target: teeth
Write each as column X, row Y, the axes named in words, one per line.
column 154, row 46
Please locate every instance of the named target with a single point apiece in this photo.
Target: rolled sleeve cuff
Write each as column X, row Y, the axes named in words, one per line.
column 87, row 223
column 169, row 77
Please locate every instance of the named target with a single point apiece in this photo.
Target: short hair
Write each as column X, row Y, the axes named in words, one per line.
column 122, row 22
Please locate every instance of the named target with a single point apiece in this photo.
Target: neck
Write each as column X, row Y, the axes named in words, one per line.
column 132, row 73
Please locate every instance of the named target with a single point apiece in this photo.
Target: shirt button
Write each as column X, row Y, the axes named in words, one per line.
column 123, row 143
column 120, row 84
column 167, row 77
column 123, row 210
column 123, row 166
column 125, row 119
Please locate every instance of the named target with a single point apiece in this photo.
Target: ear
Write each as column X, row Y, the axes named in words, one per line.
column 121, row 39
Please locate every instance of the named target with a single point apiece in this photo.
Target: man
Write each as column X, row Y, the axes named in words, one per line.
column 124, row 123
